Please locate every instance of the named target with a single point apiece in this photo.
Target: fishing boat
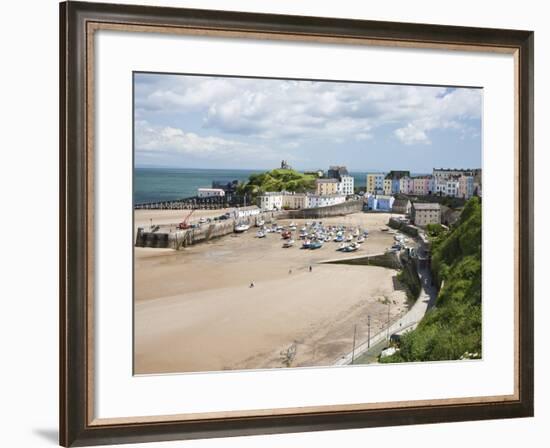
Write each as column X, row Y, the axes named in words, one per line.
column 315, row 244
column 260, row 234
column 349, row 238
column 286, row 234
column 327, row 238
column 240, row 228
column 361, row 239
column 306, row 244
column 292, row 226
column 288, row 243
column 351, row 248
column 341, row 247
column 260, row 223
column 356, row 233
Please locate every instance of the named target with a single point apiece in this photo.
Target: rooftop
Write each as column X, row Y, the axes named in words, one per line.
column 400, row 202
column 426, row 206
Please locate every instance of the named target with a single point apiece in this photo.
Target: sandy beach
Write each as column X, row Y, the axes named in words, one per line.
column 195, row 309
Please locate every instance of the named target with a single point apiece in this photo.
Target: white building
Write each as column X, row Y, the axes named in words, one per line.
column 245, row 212
column 453, row 186
column 346, row 184
column 210, row 192
column 271, row 201
column 317, row 200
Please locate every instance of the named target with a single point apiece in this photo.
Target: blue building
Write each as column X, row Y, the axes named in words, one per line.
column 380, row 203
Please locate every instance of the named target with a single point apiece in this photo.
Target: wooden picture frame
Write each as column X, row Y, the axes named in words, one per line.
column 78, row 22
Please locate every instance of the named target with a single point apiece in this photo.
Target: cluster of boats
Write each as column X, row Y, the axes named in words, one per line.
column 314, row 235
column 275, row 228
column 399, row 244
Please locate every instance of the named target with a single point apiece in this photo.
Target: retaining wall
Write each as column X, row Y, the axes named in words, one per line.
column 182, row 238
column 342, row 209
column 387, row 260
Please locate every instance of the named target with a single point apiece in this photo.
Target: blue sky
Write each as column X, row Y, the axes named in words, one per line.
column 190, row 121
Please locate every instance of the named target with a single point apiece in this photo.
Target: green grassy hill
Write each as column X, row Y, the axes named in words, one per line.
column 453, row 328
column 277, row 180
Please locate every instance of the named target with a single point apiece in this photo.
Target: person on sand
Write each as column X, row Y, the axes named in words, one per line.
column 252, row 284
column 310, row 269
column 290, row 271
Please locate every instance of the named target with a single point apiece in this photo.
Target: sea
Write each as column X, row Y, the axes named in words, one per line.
column 167, row 184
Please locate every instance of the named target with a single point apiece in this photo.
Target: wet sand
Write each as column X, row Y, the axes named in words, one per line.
column 195, row 310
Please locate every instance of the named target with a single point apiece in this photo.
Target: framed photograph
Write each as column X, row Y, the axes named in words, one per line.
column 278, row 224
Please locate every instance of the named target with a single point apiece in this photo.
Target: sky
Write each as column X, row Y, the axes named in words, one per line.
column 186, row 121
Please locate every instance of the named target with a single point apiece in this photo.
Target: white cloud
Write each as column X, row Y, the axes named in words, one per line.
column 301, row 110
column 410, row 134
column 151, row 139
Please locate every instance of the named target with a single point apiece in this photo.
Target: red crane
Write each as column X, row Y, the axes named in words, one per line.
column 184, row 224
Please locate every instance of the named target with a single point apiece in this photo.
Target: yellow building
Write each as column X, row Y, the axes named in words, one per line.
column 325, row 187
column 375, row 183
column 387, row 186
column 294, row 201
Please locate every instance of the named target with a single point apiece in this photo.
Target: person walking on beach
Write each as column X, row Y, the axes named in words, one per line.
column 290, row 271
column 310, row 268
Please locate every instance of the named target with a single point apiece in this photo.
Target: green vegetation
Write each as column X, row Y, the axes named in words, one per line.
column 435, row 230
column 453, row 328
column 277, row 180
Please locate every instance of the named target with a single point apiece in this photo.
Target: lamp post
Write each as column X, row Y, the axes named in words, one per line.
column 368, row 331
column 388, row 330
column 353, row 349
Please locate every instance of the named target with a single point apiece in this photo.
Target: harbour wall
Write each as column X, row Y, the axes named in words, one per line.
column 389, row 260
column 409, row 229
column 342, row 209
column 176, row 239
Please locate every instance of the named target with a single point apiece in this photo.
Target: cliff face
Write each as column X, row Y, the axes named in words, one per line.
column 452, row 330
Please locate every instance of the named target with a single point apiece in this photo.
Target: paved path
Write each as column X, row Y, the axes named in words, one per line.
column 410, row 320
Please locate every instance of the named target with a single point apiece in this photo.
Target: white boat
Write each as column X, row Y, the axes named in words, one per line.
column 361, row 239
column 341, row 247
column 242, row 228
column 349, row 238
column 260, row 234
column 288, row 243
column 260, row 223
column 351, row 248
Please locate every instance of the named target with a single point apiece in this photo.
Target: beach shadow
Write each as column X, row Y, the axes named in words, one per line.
column 48, row 434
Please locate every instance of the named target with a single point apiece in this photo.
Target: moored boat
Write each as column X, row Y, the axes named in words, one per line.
column 288, row 243
column 315, row 244
column 240, row 228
